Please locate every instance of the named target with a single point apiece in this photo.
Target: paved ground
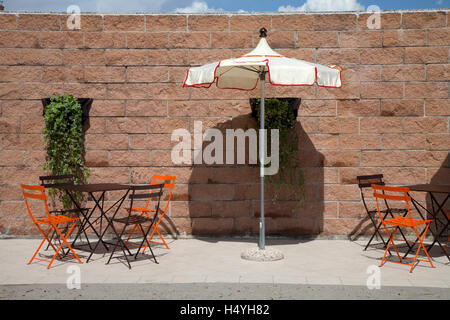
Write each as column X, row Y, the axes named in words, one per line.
column 213, row 269
column 217, row 291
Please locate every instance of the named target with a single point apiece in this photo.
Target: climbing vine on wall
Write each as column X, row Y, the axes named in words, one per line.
column 63, row 134
column 280, row 115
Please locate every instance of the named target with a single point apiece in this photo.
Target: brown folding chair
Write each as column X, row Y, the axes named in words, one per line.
column 365, row 183
column 400, row 194
column 169, row 183
column 51, row 222
column 156, row 191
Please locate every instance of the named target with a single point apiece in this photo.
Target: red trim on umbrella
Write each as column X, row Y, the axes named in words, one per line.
column 207, row 85
column 340, row 76
column 262, row 56
column 202, row 85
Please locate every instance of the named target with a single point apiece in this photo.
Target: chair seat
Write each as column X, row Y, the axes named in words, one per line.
column 139, row 209
column 70, row 210
column 133, row 219
column 405, row 222
column 143, row 210
column 56, row 220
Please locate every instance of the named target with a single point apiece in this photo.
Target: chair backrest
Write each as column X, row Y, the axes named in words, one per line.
column 366, row 182
column 36, row 193
column 169, row 183
column 391, row 193
column 56, row 180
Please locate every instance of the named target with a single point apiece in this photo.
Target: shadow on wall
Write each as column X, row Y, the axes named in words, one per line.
column 225, row 198
column 440, row 177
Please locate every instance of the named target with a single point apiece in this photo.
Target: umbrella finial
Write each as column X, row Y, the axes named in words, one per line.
column 263, row 33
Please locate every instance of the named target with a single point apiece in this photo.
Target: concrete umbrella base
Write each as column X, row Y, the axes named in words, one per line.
column 268, row 254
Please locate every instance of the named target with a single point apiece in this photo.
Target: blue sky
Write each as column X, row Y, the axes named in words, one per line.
column 192, row 6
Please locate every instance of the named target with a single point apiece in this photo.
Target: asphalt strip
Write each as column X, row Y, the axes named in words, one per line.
column 217, row 291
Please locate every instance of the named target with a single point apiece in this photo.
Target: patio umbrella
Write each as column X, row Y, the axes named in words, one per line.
column 244, row 72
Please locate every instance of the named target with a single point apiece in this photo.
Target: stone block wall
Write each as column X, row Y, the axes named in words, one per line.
column 391, row 115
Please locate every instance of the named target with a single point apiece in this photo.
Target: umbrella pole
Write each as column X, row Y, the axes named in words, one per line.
column 262, row 78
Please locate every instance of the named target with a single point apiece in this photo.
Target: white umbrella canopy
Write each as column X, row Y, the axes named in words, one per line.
column 243, row 73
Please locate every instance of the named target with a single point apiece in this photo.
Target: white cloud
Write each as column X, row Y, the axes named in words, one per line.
column 439, row 2
column 325, row 5
column 114, row 6
column 198, row 7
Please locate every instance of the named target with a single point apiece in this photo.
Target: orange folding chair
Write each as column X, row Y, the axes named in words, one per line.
column 400, row 221
column 169, row 183
column 55, row 181
column 51, row 222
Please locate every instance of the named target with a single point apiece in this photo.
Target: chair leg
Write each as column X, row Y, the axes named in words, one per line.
column 85, row 235
column 385, row 252
column 155, row 228
column 64, row 241
column 54, row 236
column 396, row 251
column 377, row 231
column 43, row 240
column 124, row 254
column 51, row 238
column 145, row 239
column 122, row 245
column 133, row 230
column 399, row 229
column 415, row 258
column 391, row 241
column 448, row 239
column 421, row 246
column 34, row 255
column 54, row 256
column 131, row 234
column 149, row 238
column 162, row 238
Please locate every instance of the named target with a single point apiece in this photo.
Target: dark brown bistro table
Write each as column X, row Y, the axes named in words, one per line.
column 436, row 208
column 97, row 193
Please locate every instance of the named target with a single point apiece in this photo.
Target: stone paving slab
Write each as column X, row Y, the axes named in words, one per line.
column 208, row 261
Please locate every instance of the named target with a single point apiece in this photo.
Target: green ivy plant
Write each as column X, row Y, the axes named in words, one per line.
column 278, row 115
column 63, row 134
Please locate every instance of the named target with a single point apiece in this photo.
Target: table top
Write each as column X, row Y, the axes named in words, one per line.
column 95, row 187
column 430, row 188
